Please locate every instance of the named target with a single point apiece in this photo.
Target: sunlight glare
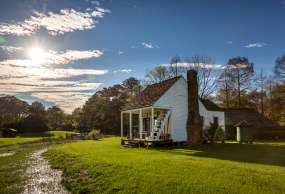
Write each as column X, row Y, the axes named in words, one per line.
column 37, row 55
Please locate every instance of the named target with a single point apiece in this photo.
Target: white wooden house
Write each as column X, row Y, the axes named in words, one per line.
column 162, row 110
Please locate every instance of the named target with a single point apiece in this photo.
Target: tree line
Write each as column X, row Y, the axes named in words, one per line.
column 235, row 85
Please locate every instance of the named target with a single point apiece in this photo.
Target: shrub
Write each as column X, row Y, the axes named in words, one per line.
column 76, row 131
column 94, row 134
column 213, row 133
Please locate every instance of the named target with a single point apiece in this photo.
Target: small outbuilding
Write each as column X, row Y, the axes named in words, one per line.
column 7, row 133
column 244, row 132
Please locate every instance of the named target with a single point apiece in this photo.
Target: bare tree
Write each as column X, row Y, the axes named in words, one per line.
column 270, row 83
column 175, row 68
column 261, row 84
column 241, row 72
column 157, row 74
column 225, row 84
column 279, row 68
column 208, row 73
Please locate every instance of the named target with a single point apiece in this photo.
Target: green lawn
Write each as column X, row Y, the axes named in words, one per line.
column 104, row 166
column 6, row 141
column 55, row 134
column 27, row 137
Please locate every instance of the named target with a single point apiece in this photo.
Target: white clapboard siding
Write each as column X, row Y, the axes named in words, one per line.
column 209, row 116
column 176, row 98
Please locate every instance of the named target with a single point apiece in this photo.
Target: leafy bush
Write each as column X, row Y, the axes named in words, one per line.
column 213, row 133
column 94, row 134
column 76, row 131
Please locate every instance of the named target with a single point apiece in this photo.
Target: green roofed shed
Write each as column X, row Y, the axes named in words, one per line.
column 244, row 132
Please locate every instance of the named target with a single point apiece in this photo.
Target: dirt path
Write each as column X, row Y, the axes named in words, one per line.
column 41, row 177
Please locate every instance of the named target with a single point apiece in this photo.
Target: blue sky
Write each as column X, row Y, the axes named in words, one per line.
column 61, row 52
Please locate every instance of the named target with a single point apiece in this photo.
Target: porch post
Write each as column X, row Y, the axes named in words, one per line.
column 122, row 125
column 141, row 127
column 152, row 124
column 131, row 125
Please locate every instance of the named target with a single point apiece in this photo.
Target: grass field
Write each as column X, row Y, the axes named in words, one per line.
column 13, row 167
column 27, row 137
column 7, row 141
column 55, row 134
column 104, row 166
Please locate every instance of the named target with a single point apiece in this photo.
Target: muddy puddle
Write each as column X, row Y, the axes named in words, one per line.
column 41, row 177
column 7, row 154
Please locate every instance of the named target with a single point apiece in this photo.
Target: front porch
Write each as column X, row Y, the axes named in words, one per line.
column 154, row 125
column 144, row 143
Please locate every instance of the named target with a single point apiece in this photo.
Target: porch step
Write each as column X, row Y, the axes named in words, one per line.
column 131, row 145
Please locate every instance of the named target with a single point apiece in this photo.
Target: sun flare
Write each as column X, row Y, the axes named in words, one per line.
column 37, row 55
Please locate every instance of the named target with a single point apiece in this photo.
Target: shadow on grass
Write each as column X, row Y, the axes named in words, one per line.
column 256, row 153
column 37, row 134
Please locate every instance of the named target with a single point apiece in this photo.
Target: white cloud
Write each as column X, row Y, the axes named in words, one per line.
column 54, row 57
column 103, row 10
column 66, row 100
column 133, row 47
column 124, row 70
column 10, row 72
column 95, row 2
column 97, row 14
column 235, row 66
column 86, row 0
column 135, row 6
column 202, row 65
column 41, row 81
column 229, row 42
column 149, row 45
column 11, row 49
column 255, row 45
column 120, row 52
column 56, row 24
column 88, row 9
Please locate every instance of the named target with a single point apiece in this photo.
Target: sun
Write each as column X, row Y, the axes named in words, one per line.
column 37, row 55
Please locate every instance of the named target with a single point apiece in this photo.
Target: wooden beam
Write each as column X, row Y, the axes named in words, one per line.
column 152, row 124
column 122, row 116
column 131, row 125
column 141, row 124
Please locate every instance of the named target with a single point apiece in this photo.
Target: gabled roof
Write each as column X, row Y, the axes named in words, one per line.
column 151, row 94
column 253, row 118
column 209, row 105
column 243, row 123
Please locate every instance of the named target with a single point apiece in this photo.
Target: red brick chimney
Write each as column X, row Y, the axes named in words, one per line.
column 194, row 128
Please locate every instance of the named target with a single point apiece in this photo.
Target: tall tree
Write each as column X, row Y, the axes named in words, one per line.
column 157, row 74
column 270, row 83
column 208, row 73
column 225, row 84
column 37, row 116
column 279, row 68
column 131, row 86
column 55, row 117
column 278, row 103
column 175, row 68
column 241, row 71
column 261, row 84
